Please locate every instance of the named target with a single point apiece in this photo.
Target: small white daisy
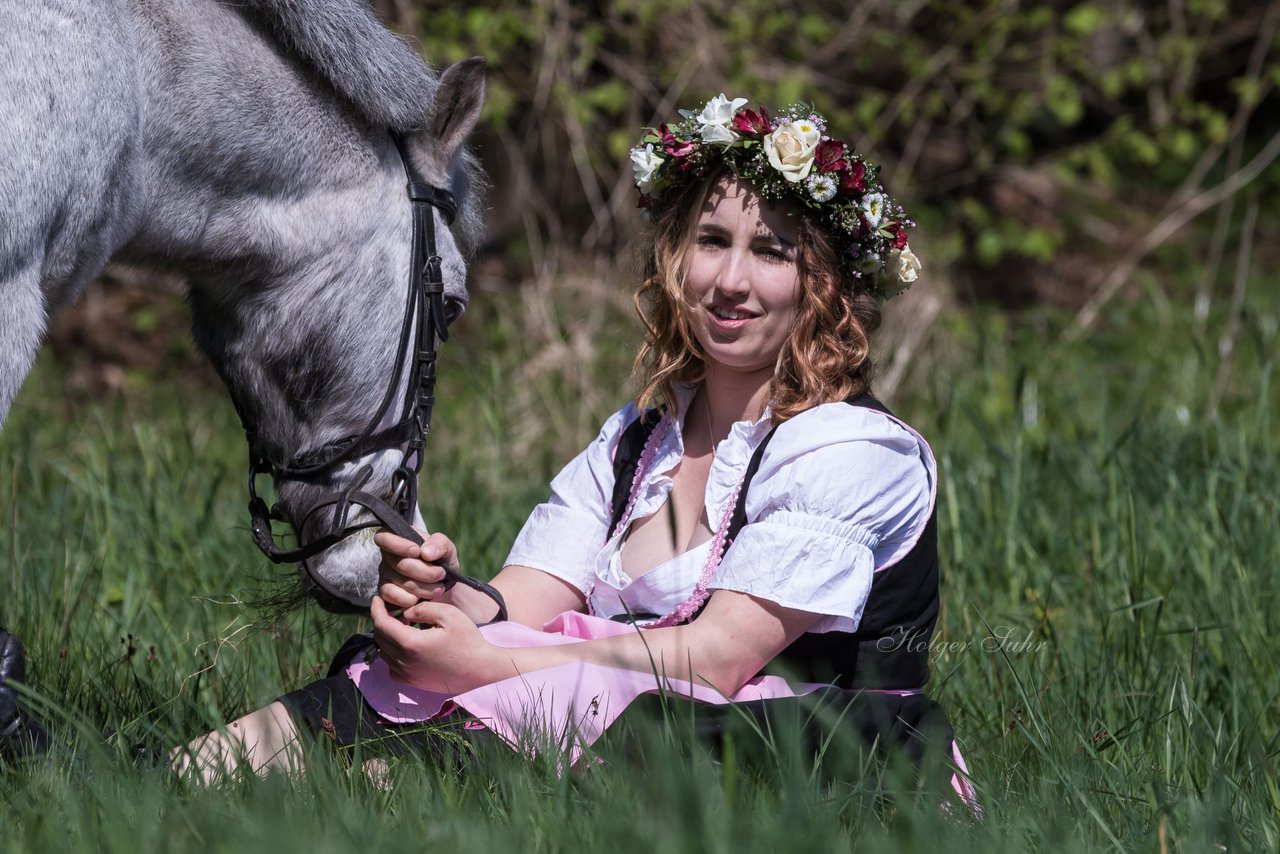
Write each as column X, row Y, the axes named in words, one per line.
column 822, row 186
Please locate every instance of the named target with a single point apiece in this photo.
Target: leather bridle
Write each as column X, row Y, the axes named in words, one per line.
column 425, row 323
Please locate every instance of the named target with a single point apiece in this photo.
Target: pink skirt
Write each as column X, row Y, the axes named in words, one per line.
column 567, row 707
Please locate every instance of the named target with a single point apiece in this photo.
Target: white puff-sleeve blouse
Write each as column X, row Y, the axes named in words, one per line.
column 842, row 492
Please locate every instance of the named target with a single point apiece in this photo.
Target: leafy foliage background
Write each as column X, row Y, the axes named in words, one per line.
column 1054, row 153
column 1037, row 140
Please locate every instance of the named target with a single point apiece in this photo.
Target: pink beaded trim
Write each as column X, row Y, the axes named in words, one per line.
column 686, row 609
column 647, row 456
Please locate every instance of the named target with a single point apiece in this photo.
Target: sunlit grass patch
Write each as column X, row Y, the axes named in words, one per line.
column 1106, row 652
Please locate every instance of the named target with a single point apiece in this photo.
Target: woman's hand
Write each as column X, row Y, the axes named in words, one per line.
column 410, row 572
column 451, row 656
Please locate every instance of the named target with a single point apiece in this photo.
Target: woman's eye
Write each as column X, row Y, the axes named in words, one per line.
column 771, row 254
column 710, row 240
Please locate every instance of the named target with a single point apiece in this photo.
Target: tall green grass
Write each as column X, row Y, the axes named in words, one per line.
column 1107, row 651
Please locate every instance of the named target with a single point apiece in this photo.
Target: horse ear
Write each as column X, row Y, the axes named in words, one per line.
column 455, row 111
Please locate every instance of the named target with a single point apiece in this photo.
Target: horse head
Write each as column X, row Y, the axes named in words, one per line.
column 259, row 149
column 336, row 495
column 325, row 361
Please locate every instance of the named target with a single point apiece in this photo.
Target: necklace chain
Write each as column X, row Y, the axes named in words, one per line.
column 711, row 433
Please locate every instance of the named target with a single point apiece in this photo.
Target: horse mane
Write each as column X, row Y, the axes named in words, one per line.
column 379, row 73
column 346, row 43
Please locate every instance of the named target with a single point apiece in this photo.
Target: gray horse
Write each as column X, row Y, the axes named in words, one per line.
column 246, row 146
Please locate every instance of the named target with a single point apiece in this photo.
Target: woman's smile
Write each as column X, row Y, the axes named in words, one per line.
column 726, row 317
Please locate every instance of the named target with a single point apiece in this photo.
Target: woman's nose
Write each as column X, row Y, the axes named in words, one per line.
column 733, row 277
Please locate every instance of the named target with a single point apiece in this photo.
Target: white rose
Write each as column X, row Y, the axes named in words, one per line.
column 791, row 147
column 905, row 263
column 645, row 162
column 718, row 133
column 713, row 121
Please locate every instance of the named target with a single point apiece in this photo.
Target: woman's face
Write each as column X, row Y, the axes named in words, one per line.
column 741, row 281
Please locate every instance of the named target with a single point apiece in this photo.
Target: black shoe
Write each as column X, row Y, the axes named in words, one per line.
column 20, row 733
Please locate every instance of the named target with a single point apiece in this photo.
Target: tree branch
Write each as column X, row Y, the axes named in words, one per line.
column 1168, row 227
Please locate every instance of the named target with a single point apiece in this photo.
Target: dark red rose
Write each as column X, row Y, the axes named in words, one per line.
column 751, row 123
column 643, row 201
column 899, row 234
column 829, row 156
column 678, row 148
column 852, row 180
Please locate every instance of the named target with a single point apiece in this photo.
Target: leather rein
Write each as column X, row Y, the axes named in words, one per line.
column 425, row 323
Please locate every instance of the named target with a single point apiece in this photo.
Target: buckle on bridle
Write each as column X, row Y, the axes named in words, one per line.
column 433, row 276
column 402, row 490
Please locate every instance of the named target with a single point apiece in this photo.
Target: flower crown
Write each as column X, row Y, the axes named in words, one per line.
column 787, row 157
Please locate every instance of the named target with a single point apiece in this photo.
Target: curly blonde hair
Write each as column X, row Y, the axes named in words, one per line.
column 826, row 359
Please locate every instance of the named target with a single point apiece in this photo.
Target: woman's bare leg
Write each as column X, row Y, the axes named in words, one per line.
column 260, row 742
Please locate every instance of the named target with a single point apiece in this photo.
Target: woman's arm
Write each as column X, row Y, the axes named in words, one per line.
column 410, row 573
column 561, row 536
column 733, row 638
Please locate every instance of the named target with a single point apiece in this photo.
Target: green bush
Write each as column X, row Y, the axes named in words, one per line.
column 1007, row 123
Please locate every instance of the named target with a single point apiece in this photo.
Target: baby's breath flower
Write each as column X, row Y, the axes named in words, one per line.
column 870, row 263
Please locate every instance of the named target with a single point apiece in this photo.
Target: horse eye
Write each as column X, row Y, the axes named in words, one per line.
column 453, row 309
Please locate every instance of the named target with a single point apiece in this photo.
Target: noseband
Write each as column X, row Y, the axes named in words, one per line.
column 424, row 324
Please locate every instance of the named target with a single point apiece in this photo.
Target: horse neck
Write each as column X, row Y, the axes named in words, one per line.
column 283, row 209
column 244, row 148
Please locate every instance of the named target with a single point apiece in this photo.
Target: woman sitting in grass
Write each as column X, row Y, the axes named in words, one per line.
column 769, row 517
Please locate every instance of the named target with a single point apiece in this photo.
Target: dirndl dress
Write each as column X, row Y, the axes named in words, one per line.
column 839, row 496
